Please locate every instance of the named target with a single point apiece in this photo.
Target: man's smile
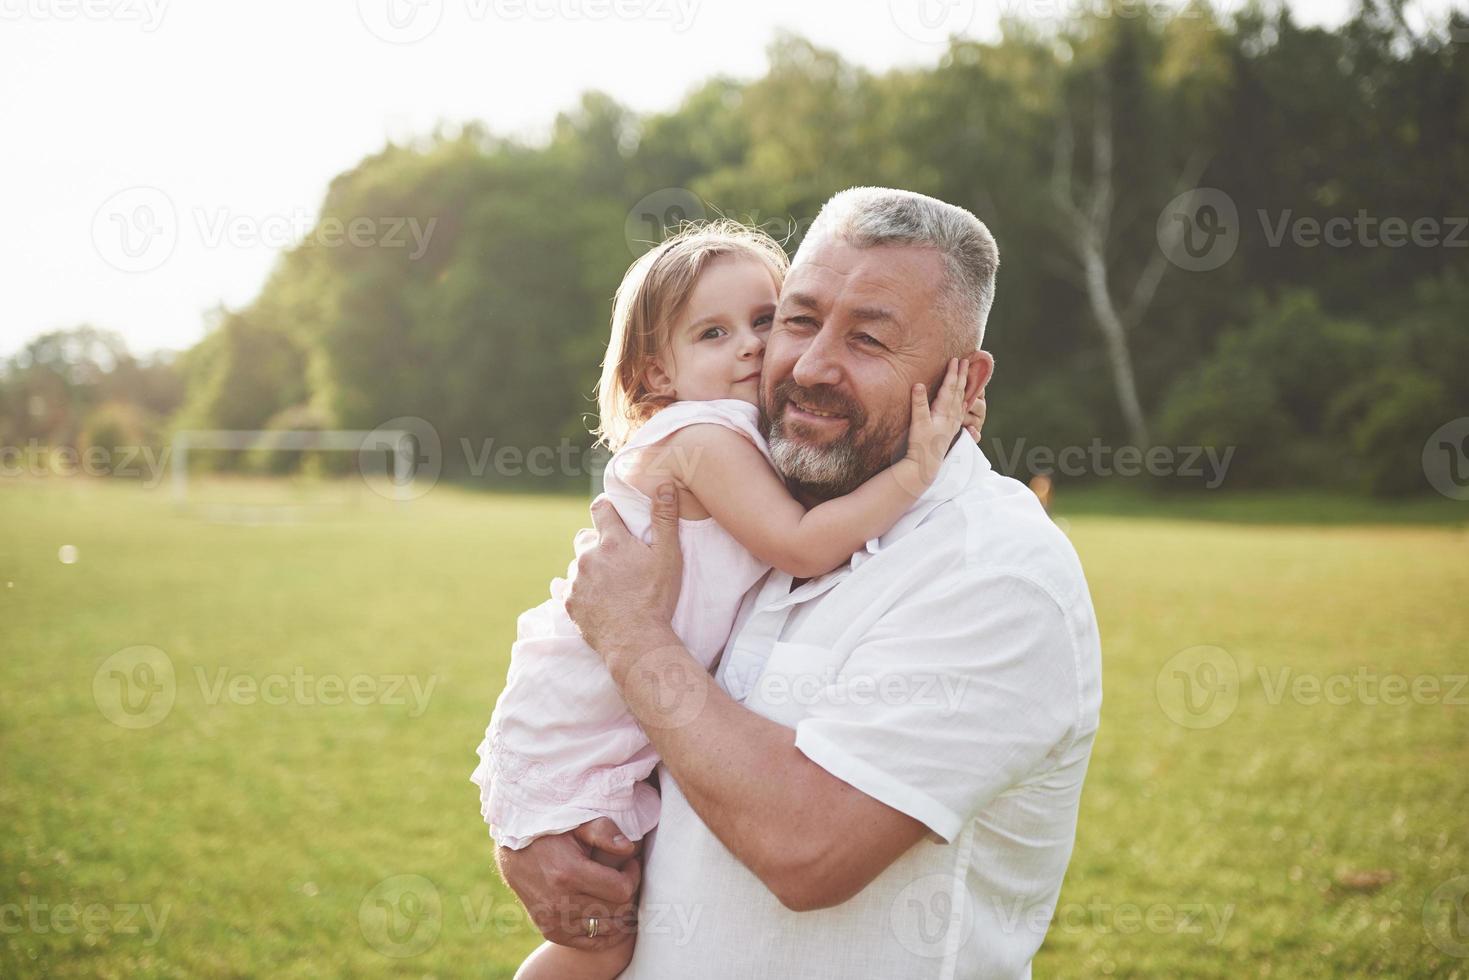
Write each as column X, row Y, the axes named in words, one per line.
column 807, row 410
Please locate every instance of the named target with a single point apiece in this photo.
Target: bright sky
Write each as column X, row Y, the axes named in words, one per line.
column 159, row 154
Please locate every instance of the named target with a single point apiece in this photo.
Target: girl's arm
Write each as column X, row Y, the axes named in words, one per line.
column 736, row 485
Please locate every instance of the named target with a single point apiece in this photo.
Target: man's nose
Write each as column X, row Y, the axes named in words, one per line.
column 818, row 364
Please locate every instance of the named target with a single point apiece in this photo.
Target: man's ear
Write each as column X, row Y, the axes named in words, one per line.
column 981, row 368
column 658, row 380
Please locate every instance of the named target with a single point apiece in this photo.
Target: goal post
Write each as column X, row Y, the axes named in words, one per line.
column 361, row 441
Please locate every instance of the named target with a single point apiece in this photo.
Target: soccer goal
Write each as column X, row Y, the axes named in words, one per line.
column 388, row 460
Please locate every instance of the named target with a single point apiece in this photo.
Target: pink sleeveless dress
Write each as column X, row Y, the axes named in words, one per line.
column 561, row 747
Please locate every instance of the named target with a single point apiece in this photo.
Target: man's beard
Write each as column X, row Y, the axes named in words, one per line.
column 836, row 468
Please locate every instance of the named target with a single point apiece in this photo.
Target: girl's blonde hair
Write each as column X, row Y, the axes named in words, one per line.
column 651, row 296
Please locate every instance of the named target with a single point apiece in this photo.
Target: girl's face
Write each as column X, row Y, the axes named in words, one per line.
column 717, row 343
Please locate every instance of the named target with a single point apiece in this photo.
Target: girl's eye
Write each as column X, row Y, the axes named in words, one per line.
column 764, row 321
column 711, row 333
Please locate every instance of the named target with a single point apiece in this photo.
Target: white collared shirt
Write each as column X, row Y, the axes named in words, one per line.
column 952, row 671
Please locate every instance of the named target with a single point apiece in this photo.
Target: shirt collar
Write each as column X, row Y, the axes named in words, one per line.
column 963, row 462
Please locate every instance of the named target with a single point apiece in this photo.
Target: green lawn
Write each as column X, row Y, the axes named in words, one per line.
column 1283, row 830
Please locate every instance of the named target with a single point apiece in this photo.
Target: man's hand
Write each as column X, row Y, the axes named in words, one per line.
column 625, row 589
column 562, row 886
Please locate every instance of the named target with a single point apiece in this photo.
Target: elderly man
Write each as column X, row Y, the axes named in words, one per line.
column 881, row 778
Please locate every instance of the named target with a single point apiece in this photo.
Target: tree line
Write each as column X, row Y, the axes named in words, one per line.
column 1237, row 233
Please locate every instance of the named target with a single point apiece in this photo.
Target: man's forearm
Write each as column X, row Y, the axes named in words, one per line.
column 741, row 773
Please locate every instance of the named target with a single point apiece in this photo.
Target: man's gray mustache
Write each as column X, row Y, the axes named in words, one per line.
column 787, row 391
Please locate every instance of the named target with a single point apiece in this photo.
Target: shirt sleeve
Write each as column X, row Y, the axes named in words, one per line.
column 958, row 693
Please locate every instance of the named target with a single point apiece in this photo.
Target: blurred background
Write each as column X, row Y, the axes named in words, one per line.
column 303, row 310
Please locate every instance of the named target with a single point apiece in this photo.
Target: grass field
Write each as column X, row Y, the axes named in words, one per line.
column 1312, row 820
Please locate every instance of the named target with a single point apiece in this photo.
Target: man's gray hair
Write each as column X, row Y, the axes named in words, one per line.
column 866, row 217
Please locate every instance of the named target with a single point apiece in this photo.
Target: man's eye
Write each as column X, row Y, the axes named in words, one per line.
column 800, row 321
column 869, row 340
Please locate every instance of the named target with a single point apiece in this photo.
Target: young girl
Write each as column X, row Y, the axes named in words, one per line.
column 681, row 380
